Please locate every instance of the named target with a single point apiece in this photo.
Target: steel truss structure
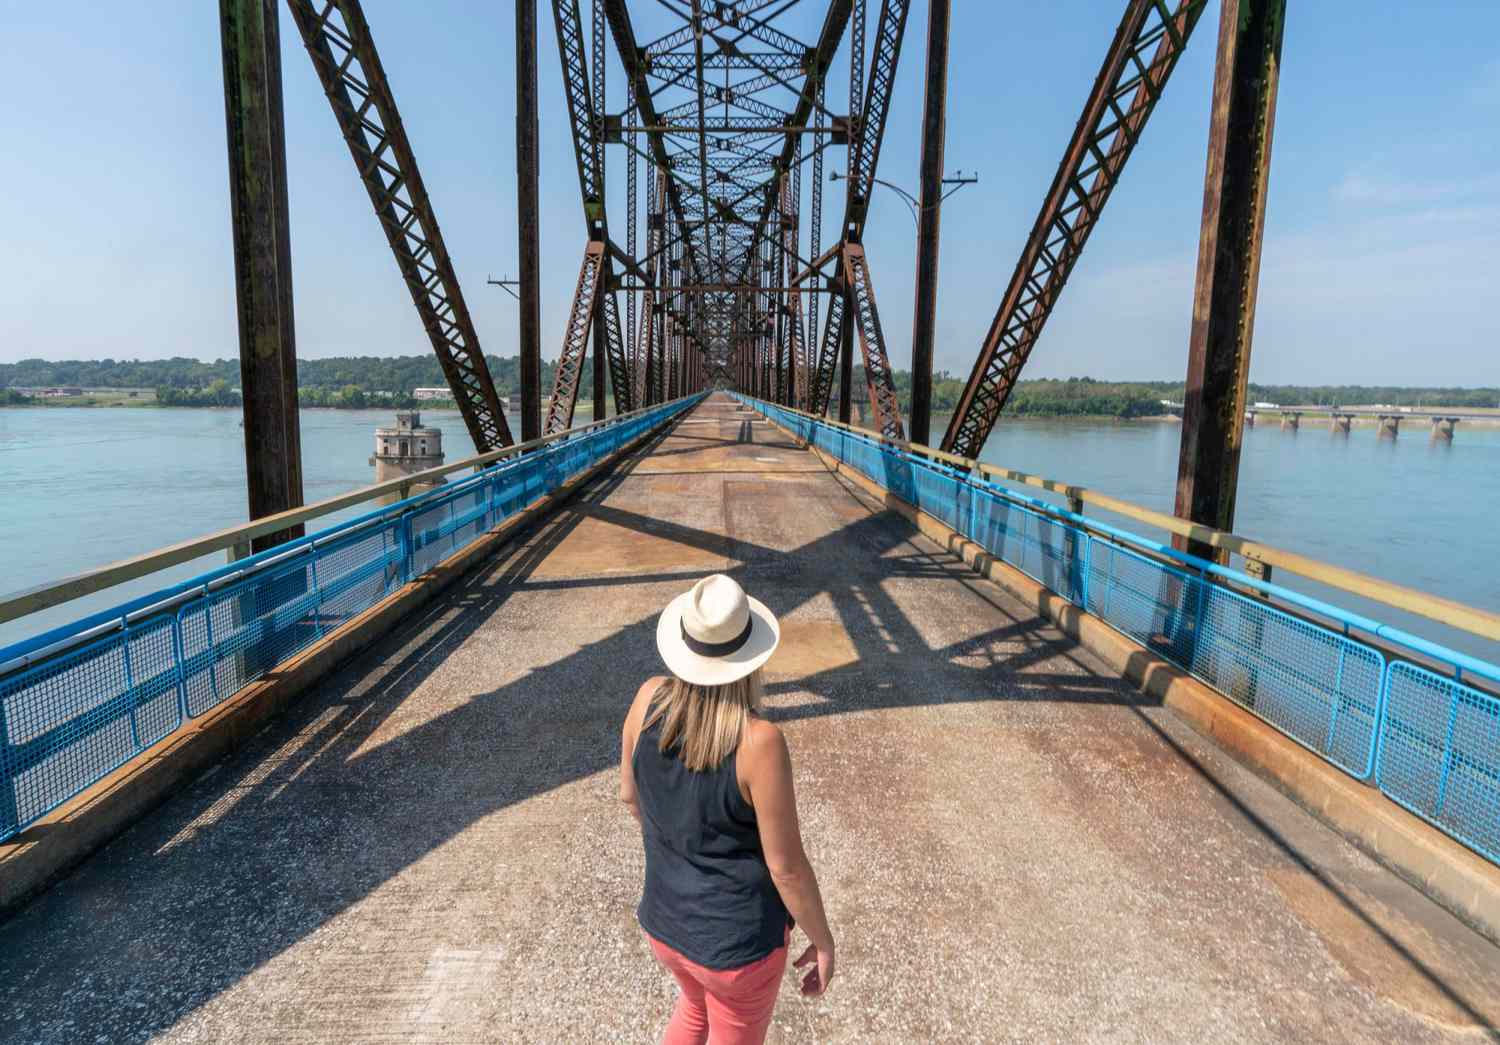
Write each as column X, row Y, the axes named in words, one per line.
column 724, row 104
column 338, row 39
column 1151, row 37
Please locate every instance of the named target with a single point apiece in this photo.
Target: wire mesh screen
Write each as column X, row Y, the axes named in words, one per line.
column 1440, row 754
column 70, row 720
column 1438, row 749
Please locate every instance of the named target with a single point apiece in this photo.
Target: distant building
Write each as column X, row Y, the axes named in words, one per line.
column 58, row 392
column 431, row 393
column 406, row 449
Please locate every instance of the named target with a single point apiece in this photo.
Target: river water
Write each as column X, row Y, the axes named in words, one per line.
column 83, row 487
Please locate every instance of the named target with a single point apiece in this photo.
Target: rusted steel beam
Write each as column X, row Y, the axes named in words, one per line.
column 846, row 354
column 829, row 38
column 1246, row 75
column 930, row 194
column 828, row 353
column 250, row 39
column 614, row 350
column 575, row 341
column 583, row 120
column 528, row 223
column 343, row 53
column 883, row 399
column 1124, row 94
column 601, row 349
column 869, row 132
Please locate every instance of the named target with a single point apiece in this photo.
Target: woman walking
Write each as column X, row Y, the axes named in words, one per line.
column 711, row 783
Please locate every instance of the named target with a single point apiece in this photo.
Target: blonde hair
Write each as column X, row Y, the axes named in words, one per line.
column 704, row 722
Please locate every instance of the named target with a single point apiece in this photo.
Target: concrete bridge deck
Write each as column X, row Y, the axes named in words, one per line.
column 1013, row 844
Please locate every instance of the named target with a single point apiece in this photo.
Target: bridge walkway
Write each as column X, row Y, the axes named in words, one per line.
column 1013, row 844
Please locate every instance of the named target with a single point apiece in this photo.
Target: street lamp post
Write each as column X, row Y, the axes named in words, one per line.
column 924, row 314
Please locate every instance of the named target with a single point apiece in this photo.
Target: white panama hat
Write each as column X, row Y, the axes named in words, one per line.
column 715, row 634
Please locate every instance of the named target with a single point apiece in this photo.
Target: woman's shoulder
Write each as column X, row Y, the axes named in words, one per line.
column 642, row 701
column 762, row 742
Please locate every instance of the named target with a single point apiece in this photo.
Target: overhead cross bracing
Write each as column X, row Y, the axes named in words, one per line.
column 724, row 104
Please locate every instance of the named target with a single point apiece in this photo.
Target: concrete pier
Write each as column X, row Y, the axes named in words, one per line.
column 1013, row 843
column 1442, row 429
column 1390, row 426
column 1290, row 421
column 1339, row 424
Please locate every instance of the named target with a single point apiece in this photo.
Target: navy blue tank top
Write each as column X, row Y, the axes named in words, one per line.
column 708, row 894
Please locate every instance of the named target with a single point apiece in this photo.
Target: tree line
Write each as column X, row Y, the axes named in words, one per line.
column 359, row 382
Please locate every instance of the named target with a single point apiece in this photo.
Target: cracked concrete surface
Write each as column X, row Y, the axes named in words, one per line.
column 1013, row 844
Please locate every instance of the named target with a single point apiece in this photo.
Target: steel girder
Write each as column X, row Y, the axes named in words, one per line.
column 883, row 399
column 619, row 361
column 828, row 355
column 1124, row 94
column 718, row 105
column 586, row 123
column 864, row 156
column 575, row 341
column 338, row 39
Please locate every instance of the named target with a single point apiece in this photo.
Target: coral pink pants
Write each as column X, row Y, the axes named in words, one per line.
column 731, row 1006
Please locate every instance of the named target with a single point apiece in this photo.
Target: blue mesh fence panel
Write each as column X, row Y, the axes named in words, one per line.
column 1440, row 754
column 65, row 724
column 1150, row 602
column 356, row 572
column 1317, row 686
column 70, row 720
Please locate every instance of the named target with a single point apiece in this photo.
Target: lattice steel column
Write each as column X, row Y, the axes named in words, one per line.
column 575, row 341
column 828, row 354
column 614, row 348
column 883, row 398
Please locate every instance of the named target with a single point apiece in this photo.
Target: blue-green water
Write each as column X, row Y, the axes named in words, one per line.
column 87, row 486
column 83, row 487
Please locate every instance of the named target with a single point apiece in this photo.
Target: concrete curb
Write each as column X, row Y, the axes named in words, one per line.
column 1451, row 874
column 50, row 848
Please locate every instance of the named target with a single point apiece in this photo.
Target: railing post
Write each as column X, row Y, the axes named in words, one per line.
column 135, row 731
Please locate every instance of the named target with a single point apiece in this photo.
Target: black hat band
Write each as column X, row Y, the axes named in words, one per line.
column 718, row 649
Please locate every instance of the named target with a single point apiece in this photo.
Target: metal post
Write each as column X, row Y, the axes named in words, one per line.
column 1234, row 194
column 262, row 259
column 924, row 314
column 528, row 222
column 599, row 350
column 846, row 356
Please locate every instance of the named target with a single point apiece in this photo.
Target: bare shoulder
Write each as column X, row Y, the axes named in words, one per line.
column 638, row 706
column 764, row 744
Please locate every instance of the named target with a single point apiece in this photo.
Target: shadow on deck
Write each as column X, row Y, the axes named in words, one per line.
column 1012, row 842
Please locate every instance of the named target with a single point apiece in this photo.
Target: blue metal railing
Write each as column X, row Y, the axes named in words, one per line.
column 1430, row 742
column 79, row 701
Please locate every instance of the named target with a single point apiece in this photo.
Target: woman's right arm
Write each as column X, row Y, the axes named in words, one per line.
column 769, row 781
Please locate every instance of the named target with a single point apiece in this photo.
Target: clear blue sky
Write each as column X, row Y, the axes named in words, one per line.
column 1382, row 242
